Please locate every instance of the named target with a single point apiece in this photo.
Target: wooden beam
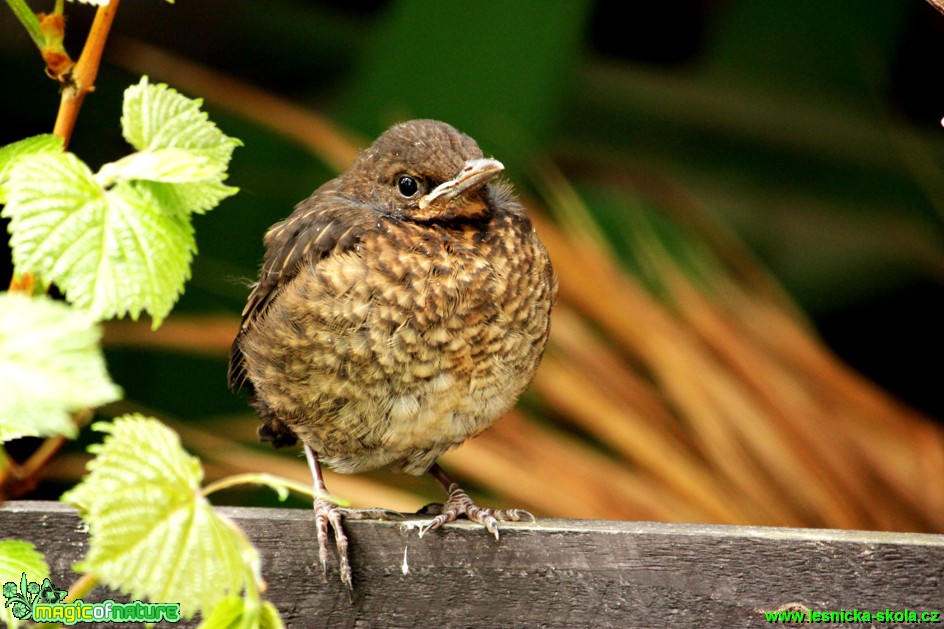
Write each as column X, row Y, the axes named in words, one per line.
column 554, row 572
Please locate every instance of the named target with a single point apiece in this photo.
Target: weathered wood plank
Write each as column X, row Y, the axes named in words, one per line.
column 555, row 573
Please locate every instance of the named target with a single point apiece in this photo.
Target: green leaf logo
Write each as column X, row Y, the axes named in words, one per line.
column 20, row 599
column 22, row 610
column 49, row 593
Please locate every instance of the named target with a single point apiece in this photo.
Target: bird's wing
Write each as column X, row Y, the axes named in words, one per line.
column 322, row 225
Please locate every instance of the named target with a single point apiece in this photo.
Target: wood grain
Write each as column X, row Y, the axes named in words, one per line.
column 554, row 573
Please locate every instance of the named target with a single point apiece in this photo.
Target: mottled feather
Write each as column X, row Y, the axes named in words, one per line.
column 383, row 333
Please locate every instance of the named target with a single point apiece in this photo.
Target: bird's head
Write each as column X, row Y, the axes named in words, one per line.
column 424, row 170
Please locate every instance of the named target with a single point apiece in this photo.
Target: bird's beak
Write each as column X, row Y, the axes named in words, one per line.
column 474, row 174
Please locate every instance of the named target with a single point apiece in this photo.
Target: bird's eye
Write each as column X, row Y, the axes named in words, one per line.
column 407, row 186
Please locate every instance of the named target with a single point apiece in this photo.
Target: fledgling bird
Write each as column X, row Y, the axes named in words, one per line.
column 401, row 309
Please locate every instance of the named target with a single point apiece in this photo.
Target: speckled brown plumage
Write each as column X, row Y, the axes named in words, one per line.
column 386, row 329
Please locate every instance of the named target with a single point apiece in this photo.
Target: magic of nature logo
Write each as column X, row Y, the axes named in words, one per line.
column 43, row 602
column 29, row 593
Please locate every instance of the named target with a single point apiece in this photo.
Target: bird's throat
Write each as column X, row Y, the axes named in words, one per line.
column 458, row 209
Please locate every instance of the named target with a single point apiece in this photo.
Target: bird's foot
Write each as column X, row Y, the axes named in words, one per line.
column 459, row 503
column 328, row 514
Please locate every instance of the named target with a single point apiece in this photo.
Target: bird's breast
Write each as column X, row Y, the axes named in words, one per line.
column 410, row 342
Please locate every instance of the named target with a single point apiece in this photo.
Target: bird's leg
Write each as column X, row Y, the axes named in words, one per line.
column 459, row 503
column 329, row 514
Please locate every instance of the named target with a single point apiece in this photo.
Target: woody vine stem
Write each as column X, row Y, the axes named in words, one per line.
column 82, row 80
column 77, row 80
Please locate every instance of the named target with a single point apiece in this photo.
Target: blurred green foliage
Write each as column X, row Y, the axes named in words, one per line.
column 494, row 69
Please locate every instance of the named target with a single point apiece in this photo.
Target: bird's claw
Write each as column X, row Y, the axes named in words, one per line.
column 459, row 504
column 329, row 514
column 371, row 514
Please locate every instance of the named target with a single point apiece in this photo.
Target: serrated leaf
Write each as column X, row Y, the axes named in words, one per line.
column 50, row 365
column 46, row 143
column 111, row 251
column 157, row 117
column 234, row 612
column 38, row 418
column 152, row 534
column 16, row 559
column 188, row 197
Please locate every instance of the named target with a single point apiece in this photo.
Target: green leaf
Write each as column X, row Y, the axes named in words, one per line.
column 188, row 197
column 156, row 118
column 50, row 365
column 170, row 165
column 226, row 614
column 19, row 558
column 111, row 251
column 46, row 143
column 269, row 617
column 119, row 242
column 152, row 534
column 237, row 613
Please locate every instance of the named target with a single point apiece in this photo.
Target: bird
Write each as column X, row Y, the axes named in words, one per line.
column 400, row 310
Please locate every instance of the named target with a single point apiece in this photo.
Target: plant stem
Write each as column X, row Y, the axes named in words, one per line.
column 258, row 479
column 38, row 460
column 22, row 283
column 86, row 70
column 79, row 589
column 29, row 21
column 81, row 586
column 18, row 479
